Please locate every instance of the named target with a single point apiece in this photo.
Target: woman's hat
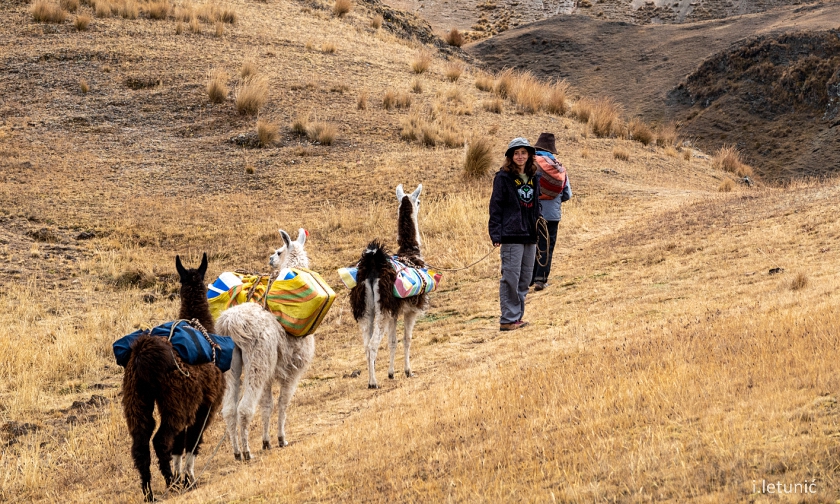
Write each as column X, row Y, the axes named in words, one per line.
column 546, row 142
column 517, row 143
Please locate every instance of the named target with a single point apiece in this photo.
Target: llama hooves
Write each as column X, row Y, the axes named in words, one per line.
column 148, row 495
column 246, row 456
column 282, row 441
column 409, row 374
column 266, row 445
column 238, row 457
column 189, row 482
column 373, row 386
column 390, row 376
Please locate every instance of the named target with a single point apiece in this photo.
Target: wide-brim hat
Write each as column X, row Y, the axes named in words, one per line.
column 546, row 142
column 518, row 143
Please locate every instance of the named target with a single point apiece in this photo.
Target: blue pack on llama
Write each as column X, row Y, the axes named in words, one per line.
column 190, row 344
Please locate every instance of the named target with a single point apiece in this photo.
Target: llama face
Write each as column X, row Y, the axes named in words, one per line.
column 292, row 254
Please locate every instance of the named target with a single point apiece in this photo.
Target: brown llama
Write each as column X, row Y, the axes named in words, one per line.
column 375, row 307
column 187, row 396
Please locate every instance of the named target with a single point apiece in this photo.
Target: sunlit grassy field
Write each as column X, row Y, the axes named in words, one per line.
column 663, row 363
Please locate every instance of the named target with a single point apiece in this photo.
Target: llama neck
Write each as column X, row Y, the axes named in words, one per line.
column 194, row 305
column 408, row 235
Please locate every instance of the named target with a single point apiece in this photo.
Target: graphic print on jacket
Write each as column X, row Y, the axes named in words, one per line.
column 526, row 192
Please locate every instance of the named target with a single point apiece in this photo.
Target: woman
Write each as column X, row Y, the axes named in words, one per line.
column 514, row 210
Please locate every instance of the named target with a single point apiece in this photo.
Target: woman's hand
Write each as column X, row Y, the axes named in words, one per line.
column 496, row 245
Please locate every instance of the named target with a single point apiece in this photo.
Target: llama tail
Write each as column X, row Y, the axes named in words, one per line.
column 243, row 323
column 150, row 362
column 373, row 266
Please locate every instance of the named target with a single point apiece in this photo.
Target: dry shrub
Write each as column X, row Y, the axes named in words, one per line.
column 393, row 99
column 582, row 110
column 227, row 16
column 478, row 157
column 687, row 154
column 556, row 100
column 417, row 86
column 454, row 38
column 727, row 185
column 220, row 29
column 46, row 12
column 69, row 5
column 671, row 152
column 250, row 169
column 267, row 132
column 584, row 153
column 495, row 105
column 728, row 159
column 82, row 22
column 504, row 83
column 102, row 9
column 342, row 7
column 361, row 102
column 484, row 82
column 251, row 95
column 604, row 120
column 421, row 62
column 195, row 26
column 453, row 70
column 323, row 133
column 800, row 281
column 158, row 9
column 639, row 131
column 179, row 28
column 528, row 92
column 301, row 124
column 217, row 89
column 328, row 48
column 129, row 10
column 83, row 85
column 249, row 68
column 621, row 153
column 376, row 22
column 430, row 130
column 666, row 135
column 184, row 13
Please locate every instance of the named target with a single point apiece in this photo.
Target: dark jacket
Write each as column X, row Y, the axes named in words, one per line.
column 511, row 219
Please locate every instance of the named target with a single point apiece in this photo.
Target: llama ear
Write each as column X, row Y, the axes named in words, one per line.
column 179, row 267
column 301, row 239
column 286, row 238
column 400, row 193
column 203, row 268
column 416, row 193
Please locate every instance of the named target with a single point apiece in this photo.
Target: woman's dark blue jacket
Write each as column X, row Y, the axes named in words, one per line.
column 512, row 220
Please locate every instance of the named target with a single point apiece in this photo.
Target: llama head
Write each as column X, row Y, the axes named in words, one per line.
column 190, row 276
column 291, row 254
column 408, row 232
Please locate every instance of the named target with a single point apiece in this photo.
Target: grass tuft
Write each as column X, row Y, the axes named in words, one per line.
column 417, row 86
column 727, row 185
column 158, row 9
column 342, row 7
column 453, row 70
column 556, row 100
column 251, row 95
column 301, row 124
column 47, row 12
column 454, row 38
column 640, row 131
column 484, row 82
column 248, row 68
column 361, row 101
column 376, row 22
column 82, row 22
column 421, row 62
column 478, row 157
column 84, row 86
column 799, row 282
column 728, row 159
column 604, row 120
column 504, row 83
column 495, row 105
column 621, row 153
column 666, row 135
column 217, row 88
column 267, row 132
column 69, row 5
column 323, row 133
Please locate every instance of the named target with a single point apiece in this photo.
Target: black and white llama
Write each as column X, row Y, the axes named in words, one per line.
column 375, row 307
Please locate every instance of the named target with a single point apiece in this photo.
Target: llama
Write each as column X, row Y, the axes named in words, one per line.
column 187, row 396
column 375, row 307
column 264, row 352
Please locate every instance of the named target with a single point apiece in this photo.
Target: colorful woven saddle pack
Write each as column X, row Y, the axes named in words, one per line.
column 190, row 343
column 409, row 282
column 299, row 297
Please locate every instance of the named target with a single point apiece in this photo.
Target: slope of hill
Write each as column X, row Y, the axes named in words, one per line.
column 684, row 349
column 642, row 66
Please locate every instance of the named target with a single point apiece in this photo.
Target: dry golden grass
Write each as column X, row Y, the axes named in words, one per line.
column 504, row 81
column 640, row 131
column 453, row 70
column 195, row 26
column 687, row 155
column 556, row 99
column 217, row 88
column 184, row 12
column 251, row 94
column 328, row 48
column 220, row 29
column 392, row 99
column 422, row 62
column 158, row 9
column 478, row 157
column 430, row 130
column 44, row 11
column 179, row 28
column 417, row 86
column 727, row 185
column 728, row 159
column 605, row 118
column 102, row 9
column 69, row 5
column 248, row 68
column 267, row 132
column 342, row 7
column 585, row 153
column 621, row 153
column 300, row 125
column 321, row 132
column 84, row 87
column 799, row 282
column 361, row 101
column 671, row 152
column 666, row 135
column 376, row 21
column 128, row 9
column 484, row 82
column 82, row 22
column 495, row 105
column 454, row 38
column 582, row 109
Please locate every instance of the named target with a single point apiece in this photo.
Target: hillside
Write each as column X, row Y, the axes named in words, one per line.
column 645, row 67
column 684, row 349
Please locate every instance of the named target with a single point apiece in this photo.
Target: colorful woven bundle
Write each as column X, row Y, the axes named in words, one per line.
column 409, row 282
column 300, row 301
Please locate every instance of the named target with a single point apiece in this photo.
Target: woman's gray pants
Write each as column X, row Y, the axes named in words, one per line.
column 517, row 267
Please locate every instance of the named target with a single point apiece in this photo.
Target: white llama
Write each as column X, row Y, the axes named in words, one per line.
column 264, row 352
column 375, row 307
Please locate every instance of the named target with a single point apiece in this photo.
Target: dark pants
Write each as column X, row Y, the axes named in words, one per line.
column 547, row 251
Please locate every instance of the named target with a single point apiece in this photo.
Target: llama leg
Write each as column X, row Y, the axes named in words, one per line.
column 391, row 328
column 254, row 383
column 195, row 434
column 373, row 344
column 287, row 390
column 408, row 321
column 178, row 448
column 265, row 406
column 231, row 400
column 141, row 427
column 163, row 442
